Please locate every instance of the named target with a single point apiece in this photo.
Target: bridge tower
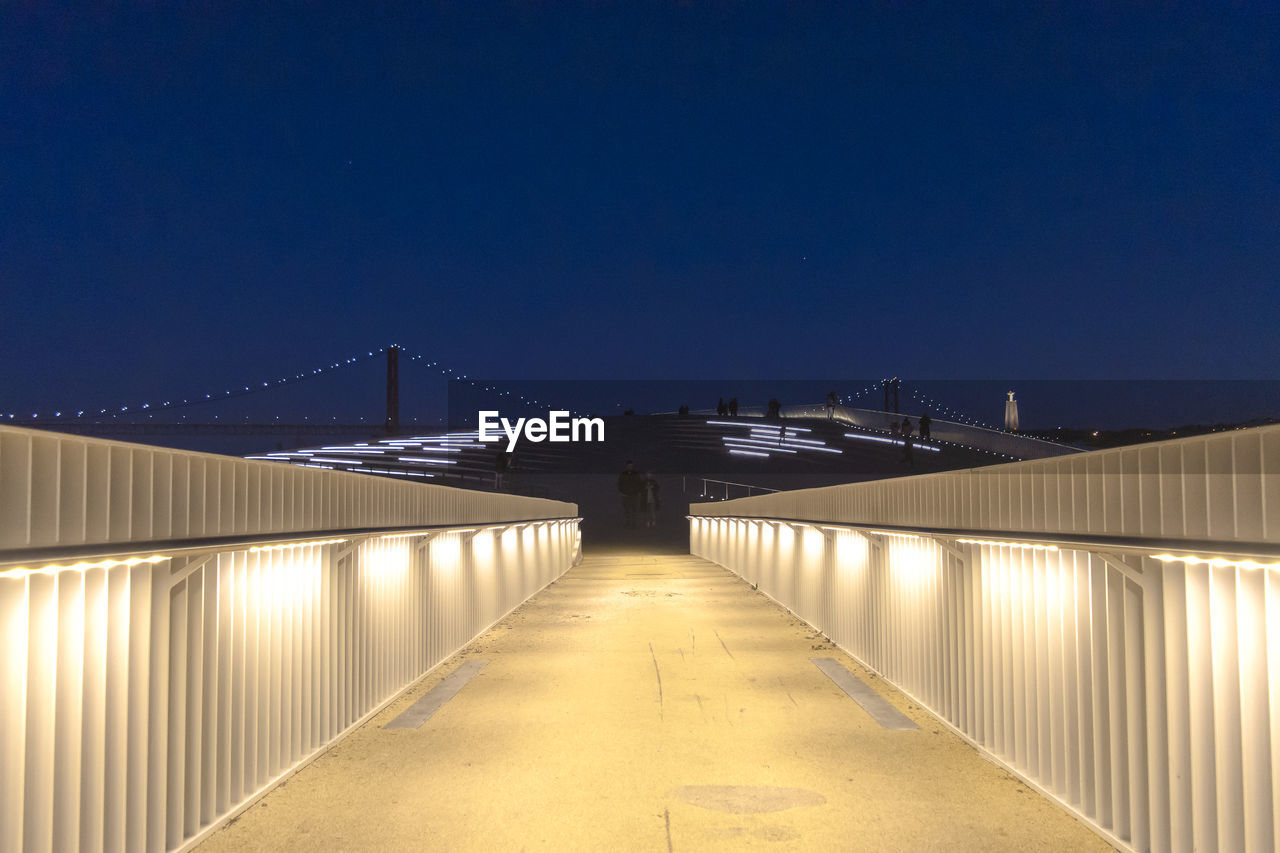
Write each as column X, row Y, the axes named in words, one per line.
column 891, row 385
column 393, row 390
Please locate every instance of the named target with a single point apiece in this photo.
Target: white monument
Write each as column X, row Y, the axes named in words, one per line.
column 1011, row 413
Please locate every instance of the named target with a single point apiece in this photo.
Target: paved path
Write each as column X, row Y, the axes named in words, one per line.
column 651, row 703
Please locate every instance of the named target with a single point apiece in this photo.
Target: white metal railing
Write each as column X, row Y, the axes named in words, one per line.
column 179, row 632
column 1106, row 625
column 712, row 488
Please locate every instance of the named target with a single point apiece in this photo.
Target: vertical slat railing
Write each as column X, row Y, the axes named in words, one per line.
column 144, row 701
column 1143, row 694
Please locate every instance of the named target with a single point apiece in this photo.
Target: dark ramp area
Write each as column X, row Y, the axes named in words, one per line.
column 691, row 459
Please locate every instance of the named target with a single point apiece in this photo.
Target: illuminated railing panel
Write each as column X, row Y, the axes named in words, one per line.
column 145, row 697
column 62, row 490
column 1222, row 488
column 1116, row 667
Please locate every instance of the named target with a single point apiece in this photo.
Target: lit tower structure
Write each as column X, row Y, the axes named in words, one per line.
column 1011, row 413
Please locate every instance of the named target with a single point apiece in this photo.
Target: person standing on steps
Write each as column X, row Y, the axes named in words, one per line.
column 630, row 485
column 649, row 501
column 500, row 464
column 925, row 423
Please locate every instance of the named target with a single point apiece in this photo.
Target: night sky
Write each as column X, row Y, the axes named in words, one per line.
column 195, row 197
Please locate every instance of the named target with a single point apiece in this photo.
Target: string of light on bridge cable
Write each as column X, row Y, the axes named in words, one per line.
column 951, row 413
column 927, row 401
column 885, row 437
column 446, row 371
column 923, row 400
column 239, row 390
column 873, row 386
column 149, row 409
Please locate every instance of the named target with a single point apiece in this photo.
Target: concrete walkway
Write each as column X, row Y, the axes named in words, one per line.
column 651, row 703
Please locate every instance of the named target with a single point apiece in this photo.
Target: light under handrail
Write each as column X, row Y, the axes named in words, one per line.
column 1241, row 554
column 14, row 563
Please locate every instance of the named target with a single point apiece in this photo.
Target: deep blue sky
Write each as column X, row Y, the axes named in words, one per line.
column 194, row 197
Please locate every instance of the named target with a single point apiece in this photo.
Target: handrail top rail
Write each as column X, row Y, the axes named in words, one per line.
column 742, row 485
column 15, row 558
column 1121, row 544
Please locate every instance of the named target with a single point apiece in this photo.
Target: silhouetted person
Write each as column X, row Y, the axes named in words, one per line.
column 630, row 484
column 733, row 406
column 775, row 409
column 512, row 475
column 906, row 450
column 831, row 405
column 906, row 426
column 683, row 410
column 894, row 427
column 721, row 408
column 649, row 503
column 925, row 423
column 500, row 463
